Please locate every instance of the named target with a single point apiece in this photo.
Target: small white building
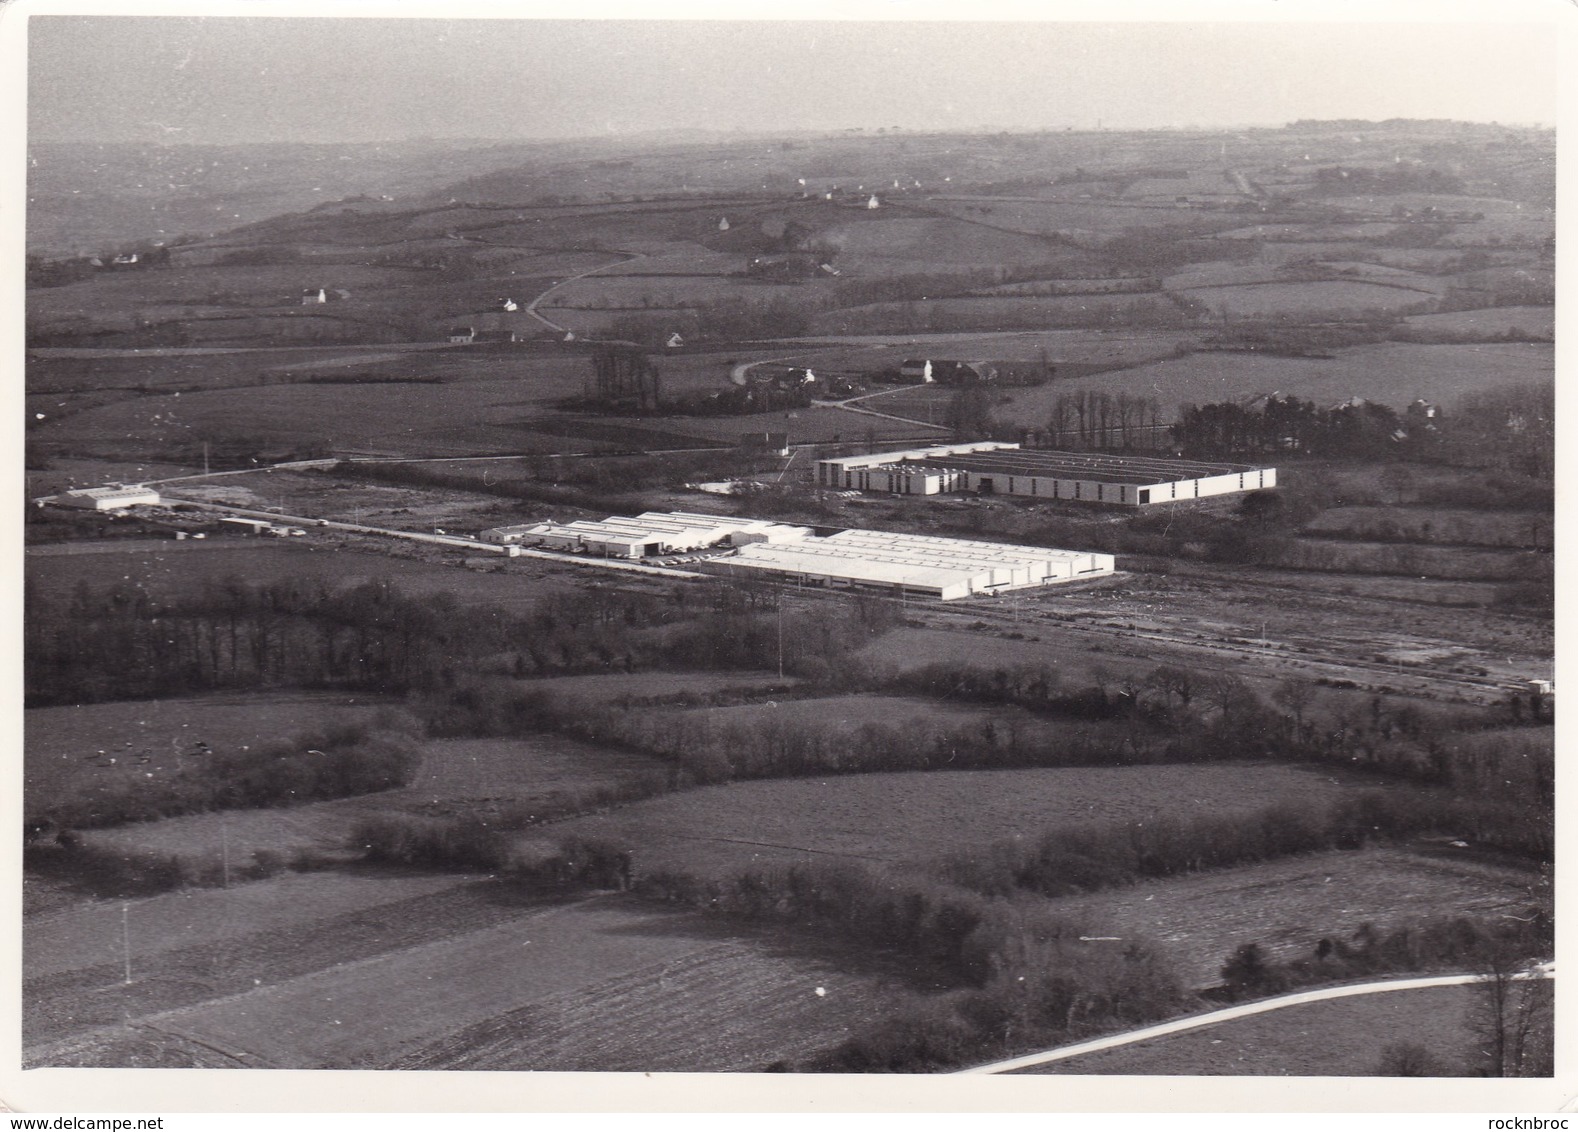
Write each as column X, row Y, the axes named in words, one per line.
column 313, row 295
column 113, row 498
column 461, row 335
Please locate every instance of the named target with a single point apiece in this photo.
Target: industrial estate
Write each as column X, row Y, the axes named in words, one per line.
column 848, row 602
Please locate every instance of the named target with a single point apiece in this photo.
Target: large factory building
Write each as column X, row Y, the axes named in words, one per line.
column 923, row 565
column 992, row 468
column 918, row 564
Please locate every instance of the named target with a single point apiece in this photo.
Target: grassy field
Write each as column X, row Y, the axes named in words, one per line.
column 88, row 935
column 841, row 718
column 67, row 751
column 1287, row 906
column 1436, row 525
column 996, row 311
column 1414, row 559
column 467, row 977
column 635, row 687
column 895, row 819
column 1393, row 373
column 172, row 569
column 1342, row 1038
column 1310, row 299
column 476, row 777
column 1537, row 321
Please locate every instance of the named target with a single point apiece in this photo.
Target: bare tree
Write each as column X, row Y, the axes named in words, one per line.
column 1512, row 1017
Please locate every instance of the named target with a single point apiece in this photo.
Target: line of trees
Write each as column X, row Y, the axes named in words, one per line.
column 1510, row 429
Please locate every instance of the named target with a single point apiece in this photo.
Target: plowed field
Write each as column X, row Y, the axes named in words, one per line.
column 470, row 976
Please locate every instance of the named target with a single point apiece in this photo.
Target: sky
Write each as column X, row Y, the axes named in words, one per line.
column 227, row 79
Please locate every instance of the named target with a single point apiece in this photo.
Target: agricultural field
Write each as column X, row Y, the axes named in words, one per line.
column 424, row 978
column 1346, row 1037
column 1393, row 373
column 1315, row 300
column 658, row 686
column 478, row 777
column 1441, row 525
column 896, row 819
column 850, row 713
column 1287, row 906
column 79, row 750
column 1001, row 311
column 1538, row 322
column 343, row 963
column 1348, row 556
column 167, row 569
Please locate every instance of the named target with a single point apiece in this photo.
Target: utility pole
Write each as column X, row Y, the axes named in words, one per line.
column 205, row 457
column 224, row 847
column 126, row 939
column 780, row 635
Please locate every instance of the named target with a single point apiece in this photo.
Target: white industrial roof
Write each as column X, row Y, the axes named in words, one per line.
column 816, row 557
column 112, row 492
column 998, row 551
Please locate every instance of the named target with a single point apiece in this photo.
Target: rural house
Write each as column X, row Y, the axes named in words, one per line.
column 461, row 335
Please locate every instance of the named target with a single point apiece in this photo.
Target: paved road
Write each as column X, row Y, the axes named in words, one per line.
column 1282, row 1002
column 531, row 307
column 307, row 522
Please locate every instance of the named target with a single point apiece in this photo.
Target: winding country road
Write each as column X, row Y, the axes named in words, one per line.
column 1245, row 1010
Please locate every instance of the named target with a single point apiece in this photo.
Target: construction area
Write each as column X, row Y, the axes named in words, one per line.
column 1000, row 468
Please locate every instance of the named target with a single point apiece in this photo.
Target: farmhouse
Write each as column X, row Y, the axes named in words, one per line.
column 112, row 498
column 460, row 335
column 1005, row 469
column 314, row 295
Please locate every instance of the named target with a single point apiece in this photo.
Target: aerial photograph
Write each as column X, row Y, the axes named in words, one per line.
column 788, row 545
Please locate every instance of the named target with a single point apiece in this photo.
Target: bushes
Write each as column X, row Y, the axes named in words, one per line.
column 1067, row 862
column 1450, row 943
column 335, row 762
column 106, row 871
column 404, row 839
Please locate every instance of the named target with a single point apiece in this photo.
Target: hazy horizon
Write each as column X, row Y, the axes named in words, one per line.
column 338, row 80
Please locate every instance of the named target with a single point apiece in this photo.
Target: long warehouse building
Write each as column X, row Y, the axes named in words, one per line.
column 993, row 468
column 919, row 564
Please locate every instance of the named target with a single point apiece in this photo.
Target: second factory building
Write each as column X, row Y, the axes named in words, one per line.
column 994, row 468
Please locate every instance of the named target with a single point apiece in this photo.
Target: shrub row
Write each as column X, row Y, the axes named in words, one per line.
column 335, row 762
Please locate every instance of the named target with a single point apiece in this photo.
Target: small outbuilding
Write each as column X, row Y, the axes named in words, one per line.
column 461, row 335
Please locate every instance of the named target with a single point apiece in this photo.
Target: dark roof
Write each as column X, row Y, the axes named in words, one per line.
column 1084, row 466
column 454, row 330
